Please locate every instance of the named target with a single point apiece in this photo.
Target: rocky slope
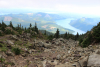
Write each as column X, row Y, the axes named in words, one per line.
column 36, row 52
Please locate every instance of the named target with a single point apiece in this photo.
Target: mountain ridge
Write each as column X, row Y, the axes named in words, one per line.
column 42, row 19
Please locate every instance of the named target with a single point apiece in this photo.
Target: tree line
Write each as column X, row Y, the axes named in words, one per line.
column 85, row 40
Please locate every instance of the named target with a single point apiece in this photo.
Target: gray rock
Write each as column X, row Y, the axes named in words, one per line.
column 39, row 44
column 0, row 55
column 24, row 55
column 14, row 37
column 94, row 60
column 1, row 31
column 10, row 42
column 58, row 57
column 47, row 45
column 97, row 51
column 76, row 64
column 42, row 44
column 54, row 39
column 30, row 51
column 83, row 62
column 9, row 53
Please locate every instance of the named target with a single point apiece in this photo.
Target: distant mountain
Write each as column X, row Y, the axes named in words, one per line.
column 47, row 33
column 44, row 21
column 84, row 24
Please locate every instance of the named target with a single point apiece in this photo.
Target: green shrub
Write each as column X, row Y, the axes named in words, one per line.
column 19, row 31
column 0, row 34
column 80, row 41
column 87, row 41
column 17, row 51
column 13, row 33
column 8, row 31
column 50, row 37
column 2, row 60
column 4, row 49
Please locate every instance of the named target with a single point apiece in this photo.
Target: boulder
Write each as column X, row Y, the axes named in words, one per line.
column 49, row 65
column 58, row 57
column 39, row 44
column 47, row 45
column 97, row 51
column 14, row 37
column 94, row 60
column 83, row 62
column 42, row 44
column 76, row 64
column 24, row 54
column 1, row 31
column 10, row 42
column 9, row 53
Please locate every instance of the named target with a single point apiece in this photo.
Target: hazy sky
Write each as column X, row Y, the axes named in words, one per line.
column 76, row 6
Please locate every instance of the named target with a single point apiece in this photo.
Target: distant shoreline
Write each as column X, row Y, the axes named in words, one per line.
column 65, row 23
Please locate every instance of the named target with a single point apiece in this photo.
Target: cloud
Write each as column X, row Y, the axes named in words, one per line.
column 46, row 3
column 76, row 6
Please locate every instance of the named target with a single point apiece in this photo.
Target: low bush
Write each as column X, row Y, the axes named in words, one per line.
column 17, row 51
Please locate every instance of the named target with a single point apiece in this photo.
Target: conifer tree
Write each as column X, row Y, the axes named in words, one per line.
column 76, row 36
column 11, row 24
column 36, row 29
column 30, row 25
column 0, row 34
column 45, row 32
column 57, row 34
column 22, row 28
column 65, row 36
column 25, row 28
column 20, row 25
column 3, row 24
column 0, row 25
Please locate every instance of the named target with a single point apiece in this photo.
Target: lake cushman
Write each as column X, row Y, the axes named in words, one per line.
column 65, row 23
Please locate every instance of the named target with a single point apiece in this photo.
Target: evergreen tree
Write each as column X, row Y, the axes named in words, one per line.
column 76, row 36
column 96, row 32
column 0, row 34
column 50, row 37
column 22, row 28
column 57, row 34
column 30, row 25
column 0, row 24
column 45, row 32
column 25, row 28
column 3, row 24
column 33, row 29
column 3, row 28
column 36, row 29
column 11, row 25
column 65, row 35
column 20, row 25
column 68, row 35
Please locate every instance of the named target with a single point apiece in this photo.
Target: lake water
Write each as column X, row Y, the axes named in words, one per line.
column 65, row 23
